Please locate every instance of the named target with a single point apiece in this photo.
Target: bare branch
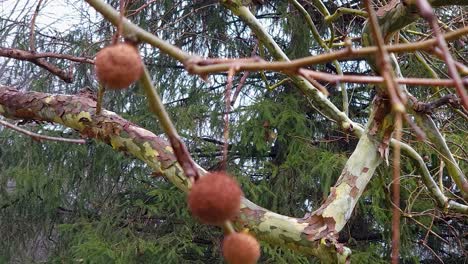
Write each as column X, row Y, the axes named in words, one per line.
column 333, row 78
column 40, row 137
column 28, row 56
column 32, row 46
column 427, row 13
column 428, row 108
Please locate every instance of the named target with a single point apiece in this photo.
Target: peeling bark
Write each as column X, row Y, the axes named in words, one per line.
column 358, row 171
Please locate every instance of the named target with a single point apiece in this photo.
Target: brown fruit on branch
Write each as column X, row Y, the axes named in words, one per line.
column 215, row 198
column 240, row 248
column 118, row 66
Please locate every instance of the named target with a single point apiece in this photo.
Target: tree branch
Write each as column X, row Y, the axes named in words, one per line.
column 428, row 108
column 28, row 56
column 39, row 137
column 427, row 13
column 79, row 112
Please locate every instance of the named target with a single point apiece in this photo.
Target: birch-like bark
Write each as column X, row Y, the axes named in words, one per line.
column 79, row 113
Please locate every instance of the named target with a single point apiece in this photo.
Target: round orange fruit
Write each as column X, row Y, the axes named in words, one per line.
column 240, row 248
column 215, row 198
column 118, row 66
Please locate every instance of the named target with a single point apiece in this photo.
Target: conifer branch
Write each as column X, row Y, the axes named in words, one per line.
column 315, row 33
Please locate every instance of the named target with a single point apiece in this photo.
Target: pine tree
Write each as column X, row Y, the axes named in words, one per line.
column 103, row 201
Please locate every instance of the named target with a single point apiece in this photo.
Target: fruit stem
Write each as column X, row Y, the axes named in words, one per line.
column 157, row 107
column 228, row 228
column 100, row 97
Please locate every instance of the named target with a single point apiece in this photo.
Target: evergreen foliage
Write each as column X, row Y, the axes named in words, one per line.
column 62, row 203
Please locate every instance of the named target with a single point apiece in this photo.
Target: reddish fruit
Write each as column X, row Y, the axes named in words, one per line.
column 215, row 198
column 240, row 248
column 118, row 66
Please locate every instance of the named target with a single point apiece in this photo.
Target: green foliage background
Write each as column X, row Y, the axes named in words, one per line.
column 63, row 203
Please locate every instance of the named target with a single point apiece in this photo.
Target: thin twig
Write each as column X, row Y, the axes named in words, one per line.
column 344, row 10
column 40, row 137
column 243, row 78
column 227, row 105
column 431, row 250
column 345, row 53
column 441, row 174
column 460, row 66
column 319, row 40
column 26, row 55
column 32, row 46
column 396, row 213
column 122, row 6
column 425, row 10
column 180, row 150
column 397, row 100
column 429, row 107
column 239, row 87
column 65, row 76
column 100, row 98
column 333, row 78
column 383, row 59
column 138, row 10
column 316, row 84
column 191, row 169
